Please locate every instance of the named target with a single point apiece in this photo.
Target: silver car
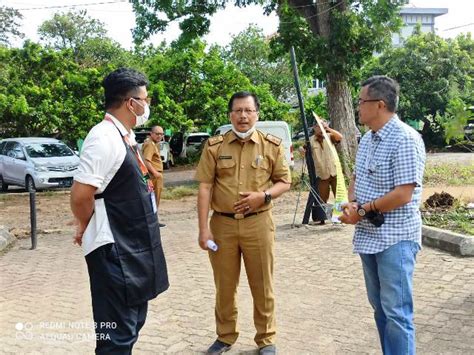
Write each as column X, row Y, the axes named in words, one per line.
column 36, row 163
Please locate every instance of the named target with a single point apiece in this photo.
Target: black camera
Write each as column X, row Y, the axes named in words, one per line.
column 375, row 217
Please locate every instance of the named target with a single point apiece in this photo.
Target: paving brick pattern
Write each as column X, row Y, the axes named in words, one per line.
column 321, row 301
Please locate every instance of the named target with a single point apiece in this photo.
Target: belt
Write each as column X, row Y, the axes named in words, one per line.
column 237, row 215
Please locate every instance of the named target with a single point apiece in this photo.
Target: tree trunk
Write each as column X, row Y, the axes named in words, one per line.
column 341, row 113
column 339, row 96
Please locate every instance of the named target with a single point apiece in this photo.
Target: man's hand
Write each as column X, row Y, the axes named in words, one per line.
column 249, row 202
column 204, row 236
column 80, row 229
column 350, row 215
column 157, row 175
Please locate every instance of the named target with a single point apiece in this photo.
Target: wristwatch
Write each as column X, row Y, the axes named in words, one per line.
column 361, row 211
column 268, row 197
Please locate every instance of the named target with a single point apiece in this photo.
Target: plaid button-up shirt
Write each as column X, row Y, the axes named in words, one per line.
column 392, row 156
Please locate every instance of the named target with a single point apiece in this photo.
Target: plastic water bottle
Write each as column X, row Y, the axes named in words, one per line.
column 211, row 245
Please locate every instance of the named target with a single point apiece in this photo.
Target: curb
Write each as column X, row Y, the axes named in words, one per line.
column 452, row 242
column 6, row 239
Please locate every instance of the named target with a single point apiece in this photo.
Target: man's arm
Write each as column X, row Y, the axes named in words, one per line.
column 254, row 200
column 82, row 207
column 204, row 198
column 398, row 197
column 148, row 151
column 351, row 191
column 152, row 170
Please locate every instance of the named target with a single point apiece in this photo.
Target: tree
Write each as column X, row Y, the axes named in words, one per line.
column 45, row 93
column 71, row 30
column 431, row 72
column 190, row 88
column 331, row 37
column 9, row 24
column 250, row 51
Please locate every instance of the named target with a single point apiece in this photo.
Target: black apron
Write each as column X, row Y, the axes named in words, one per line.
column 136, row 233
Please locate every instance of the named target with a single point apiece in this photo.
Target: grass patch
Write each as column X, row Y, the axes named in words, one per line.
column 178, row 192
column 449, row 174
column 457, row 219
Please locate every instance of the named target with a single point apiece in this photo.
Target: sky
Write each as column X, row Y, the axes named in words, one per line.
column 118, row 17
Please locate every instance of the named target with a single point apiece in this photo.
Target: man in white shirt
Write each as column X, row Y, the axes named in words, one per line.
column 115, row 208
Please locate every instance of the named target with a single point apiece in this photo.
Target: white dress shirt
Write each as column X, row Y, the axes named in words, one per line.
column 103, row 153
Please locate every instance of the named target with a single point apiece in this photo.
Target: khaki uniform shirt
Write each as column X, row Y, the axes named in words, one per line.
column 324, row 163
column 233, row 166
column 151, row 152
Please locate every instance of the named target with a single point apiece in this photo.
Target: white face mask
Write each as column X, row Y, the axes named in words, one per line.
column 243, row 135
column 142, row 119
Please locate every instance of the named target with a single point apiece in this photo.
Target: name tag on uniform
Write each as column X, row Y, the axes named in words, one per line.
column 153, row 202
column 225, row 157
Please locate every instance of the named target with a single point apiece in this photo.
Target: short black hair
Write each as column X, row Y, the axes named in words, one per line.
column 384, row 88
column 243, row 95
column 120, row 84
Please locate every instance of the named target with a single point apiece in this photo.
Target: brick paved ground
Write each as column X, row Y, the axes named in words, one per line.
column 322, row 306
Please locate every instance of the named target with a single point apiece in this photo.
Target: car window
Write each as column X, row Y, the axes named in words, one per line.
column 9, row 147
column 2, row 145
column 196, row 139
column 48, row 150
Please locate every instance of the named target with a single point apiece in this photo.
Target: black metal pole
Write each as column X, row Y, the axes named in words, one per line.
column 317, row 210
column 34, row 240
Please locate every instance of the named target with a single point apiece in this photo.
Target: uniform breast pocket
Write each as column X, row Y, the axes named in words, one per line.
column 225, row 167
column 261, row 169
column 382, row 174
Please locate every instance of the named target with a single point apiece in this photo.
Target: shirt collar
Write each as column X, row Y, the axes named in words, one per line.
column 123, row 131
column 253, row 137
column 385, row 131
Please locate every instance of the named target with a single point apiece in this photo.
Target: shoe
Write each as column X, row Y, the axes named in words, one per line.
column 161, row 225
column 268, row 350
column 218, row 348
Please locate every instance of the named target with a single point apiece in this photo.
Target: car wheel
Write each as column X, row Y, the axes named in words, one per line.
column 167, row 165
column 3, row 186
column 30, row 184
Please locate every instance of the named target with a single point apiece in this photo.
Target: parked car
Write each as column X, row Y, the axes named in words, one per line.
column 166, row 155
column 36, row 163
column 279, row 129
column 165, row 150
column 184, row 145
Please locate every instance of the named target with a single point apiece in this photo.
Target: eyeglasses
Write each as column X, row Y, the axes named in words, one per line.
column 363, row 101
column 147, row 99
column 158, row 133
column 246, row 110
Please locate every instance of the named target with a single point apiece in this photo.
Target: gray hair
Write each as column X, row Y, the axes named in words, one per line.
column 384, row 88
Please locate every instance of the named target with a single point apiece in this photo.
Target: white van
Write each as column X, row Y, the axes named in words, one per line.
column 279, row 129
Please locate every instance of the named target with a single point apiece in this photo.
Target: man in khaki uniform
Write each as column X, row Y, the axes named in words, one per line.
column 239, row 174
column 324, row 162
column 151, row 154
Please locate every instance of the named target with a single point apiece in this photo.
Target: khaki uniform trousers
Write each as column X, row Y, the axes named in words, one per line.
column 253, row 239
column 323, row 187
column 158, row 187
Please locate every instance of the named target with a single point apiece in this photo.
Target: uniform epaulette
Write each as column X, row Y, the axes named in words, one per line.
column 275, row 140
column 215, row 140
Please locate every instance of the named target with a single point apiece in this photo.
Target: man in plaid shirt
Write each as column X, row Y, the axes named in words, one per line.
column 384, row 195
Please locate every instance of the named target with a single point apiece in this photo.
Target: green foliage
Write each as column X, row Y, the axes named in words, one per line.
column 457, row 219
column 454, row 120
column 9, row 24
column 45, row 93
column 190, row 88
column 178, row 192
column 250, row 51
column 431, row 72
column 70, row 30
column 448, row 174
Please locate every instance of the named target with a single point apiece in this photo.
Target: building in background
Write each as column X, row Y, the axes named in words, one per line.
column 412, row 16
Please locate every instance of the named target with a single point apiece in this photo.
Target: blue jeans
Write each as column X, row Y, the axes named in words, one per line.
column 389, row 278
